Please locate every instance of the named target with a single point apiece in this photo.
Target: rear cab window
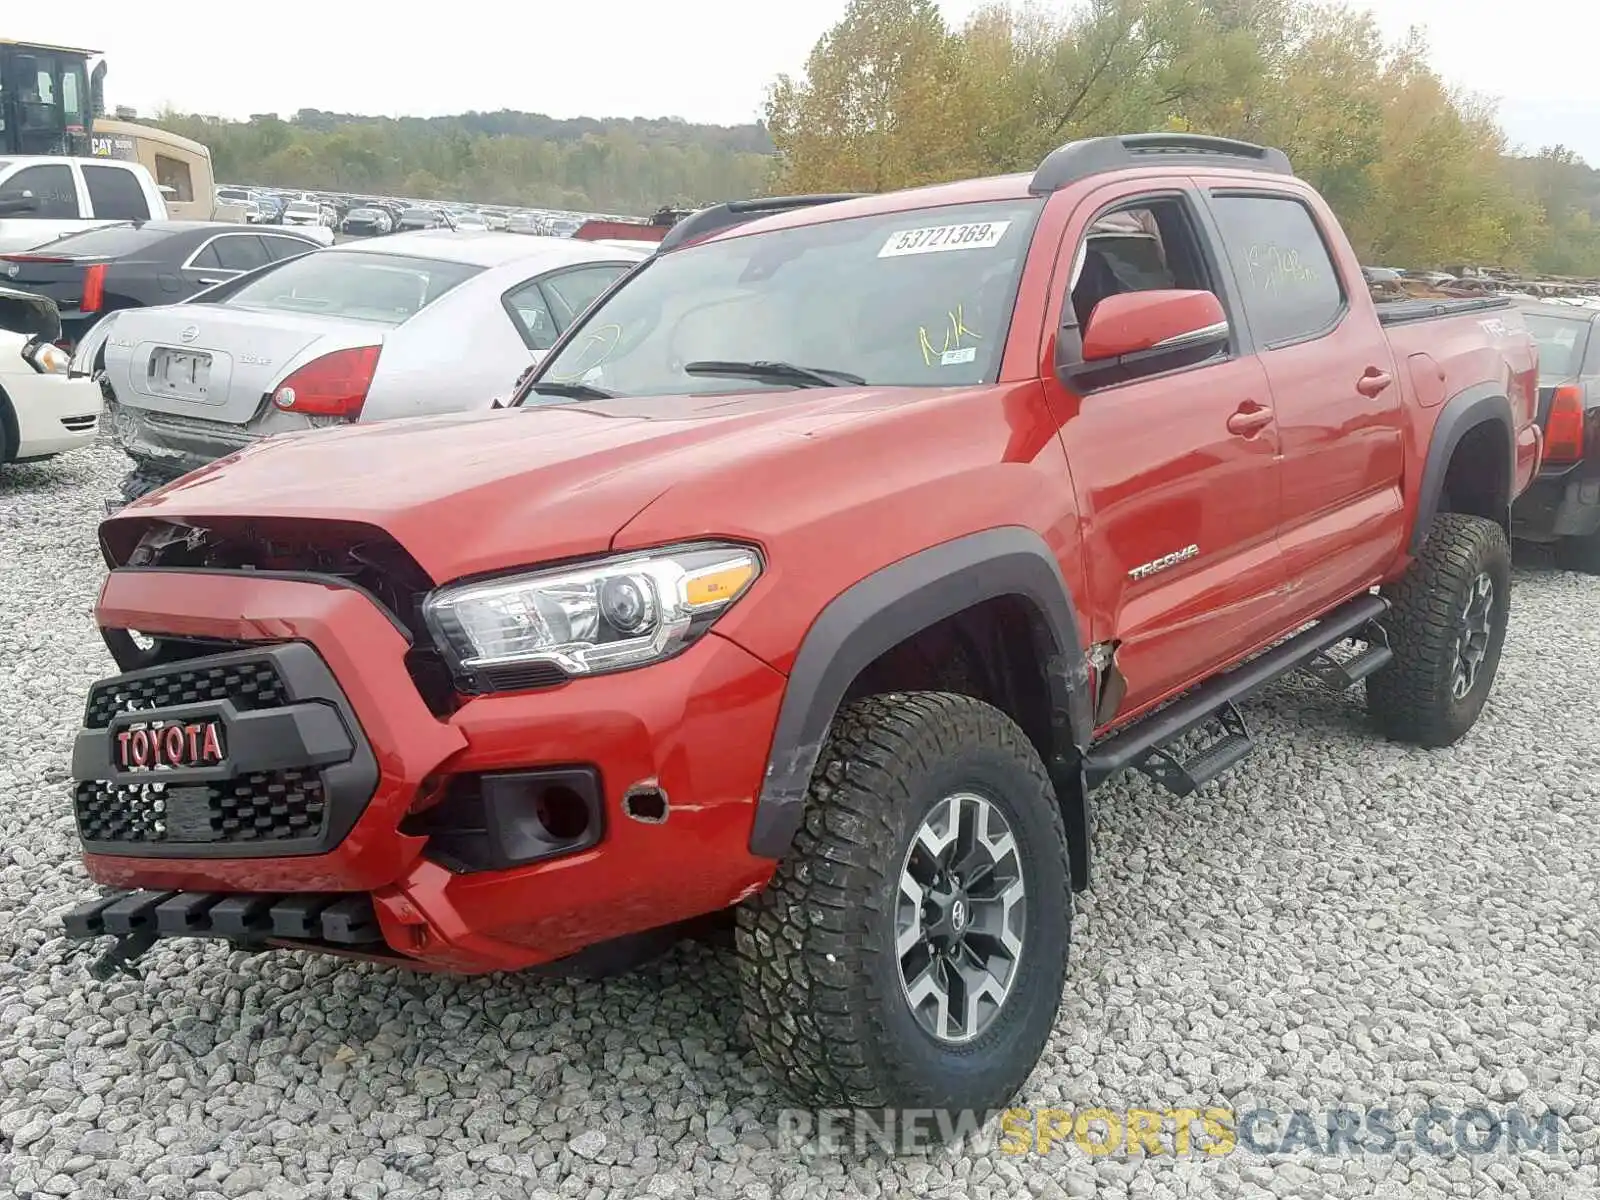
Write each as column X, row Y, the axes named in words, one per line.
column 921, row 298
column 115, row 193
column 359, row 285
column 1291, row 288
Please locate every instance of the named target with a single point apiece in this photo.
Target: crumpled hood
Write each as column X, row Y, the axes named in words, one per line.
column 478, row 492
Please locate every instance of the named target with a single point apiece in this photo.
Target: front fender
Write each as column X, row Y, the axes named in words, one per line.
column 889, row 606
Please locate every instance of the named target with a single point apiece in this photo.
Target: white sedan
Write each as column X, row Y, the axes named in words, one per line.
column 43, row 411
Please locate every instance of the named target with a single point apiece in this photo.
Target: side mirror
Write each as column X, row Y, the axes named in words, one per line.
column 23, row 202
column 1154, row 324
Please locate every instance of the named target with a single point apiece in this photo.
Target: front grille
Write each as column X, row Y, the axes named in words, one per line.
column 250, row 685
column 295, row 776
column 264, row 806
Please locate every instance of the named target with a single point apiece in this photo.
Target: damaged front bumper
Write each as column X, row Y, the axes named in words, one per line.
column 447, row 843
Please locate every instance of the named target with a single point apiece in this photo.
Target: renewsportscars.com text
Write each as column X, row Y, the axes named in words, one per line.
column 1179, row 1132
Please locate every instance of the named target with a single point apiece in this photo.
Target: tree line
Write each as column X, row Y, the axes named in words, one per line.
column 895, row 96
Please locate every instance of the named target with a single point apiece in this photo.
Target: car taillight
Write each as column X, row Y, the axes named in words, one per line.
column 94, row 288
column 1563, row 429
column 334, row 385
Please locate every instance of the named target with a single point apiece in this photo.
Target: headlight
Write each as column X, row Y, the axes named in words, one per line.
column 605, row 616
column 47, row 358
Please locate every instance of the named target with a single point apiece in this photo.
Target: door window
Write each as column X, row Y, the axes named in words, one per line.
column 1148, row 246
column 116, row 194
column 53, row 190
column 1291, row 287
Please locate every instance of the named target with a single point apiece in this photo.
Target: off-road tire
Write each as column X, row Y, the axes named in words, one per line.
column 1580, row 554
column 821, row 989
column 1411, row 698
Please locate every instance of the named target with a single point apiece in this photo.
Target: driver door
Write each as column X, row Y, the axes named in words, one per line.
column 1178, row 497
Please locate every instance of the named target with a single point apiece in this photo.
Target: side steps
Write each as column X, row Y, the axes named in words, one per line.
column 1149, row 745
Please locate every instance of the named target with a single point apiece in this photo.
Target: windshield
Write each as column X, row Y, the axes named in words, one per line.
column 919, row 298
column 385, row 288
column 1562, row 341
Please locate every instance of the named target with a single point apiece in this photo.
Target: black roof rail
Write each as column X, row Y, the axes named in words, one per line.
column 736, row 212
column 1094, row 156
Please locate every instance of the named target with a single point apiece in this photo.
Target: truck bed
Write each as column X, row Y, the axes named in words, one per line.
column 1403, row 312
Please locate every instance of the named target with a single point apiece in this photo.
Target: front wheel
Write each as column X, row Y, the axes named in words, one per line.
column 1447, row 626
column 911, row 949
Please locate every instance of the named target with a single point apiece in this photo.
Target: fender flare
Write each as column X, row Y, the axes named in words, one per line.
column 1466, row 410
column 10, row 431
column 892, row 604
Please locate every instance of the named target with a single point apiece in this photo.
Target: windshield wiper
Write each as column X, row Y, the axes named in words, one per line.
column 570, row 388
column 775, row 372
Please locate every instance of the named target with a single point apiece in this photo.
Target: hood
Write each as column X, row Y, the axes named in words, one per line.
column 478, row 492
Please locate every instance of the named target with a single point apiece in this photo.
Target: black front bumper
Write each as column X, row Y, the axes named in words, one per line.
column 1563, row 501
column 297, row 776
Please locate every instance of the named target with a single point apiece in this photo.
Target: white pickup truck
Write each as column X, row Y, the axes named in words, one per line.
column 42, row 199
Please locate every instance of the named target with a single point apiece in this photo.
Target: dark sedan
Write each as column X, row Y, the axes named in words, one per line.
column 136, row 264
column 1563, row 505
column 423, row 218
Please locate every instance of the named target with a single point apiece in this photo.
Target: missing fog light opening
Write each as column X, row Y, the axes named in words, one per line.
column 563, row 813
column 646, row 802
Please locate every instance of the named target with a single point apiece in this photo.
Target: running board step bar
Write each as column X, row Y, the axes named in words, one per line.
column 1143, row 746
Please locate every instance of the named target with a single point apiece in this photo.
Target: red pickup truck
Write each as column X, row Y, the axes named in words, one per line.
column 820, row 574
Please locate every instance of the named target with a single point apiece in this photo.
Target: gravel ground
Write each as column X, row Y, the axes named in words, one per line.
column 1340, row 922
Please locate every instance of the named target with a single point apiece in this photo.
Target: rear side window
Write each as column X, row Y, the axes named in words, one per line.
column 240, row 252
column 286, row 247
column 54, row 193
column 573, row 291
column 360, row 285
column 1291, row 288
column 1561, row 344
column 116, row 194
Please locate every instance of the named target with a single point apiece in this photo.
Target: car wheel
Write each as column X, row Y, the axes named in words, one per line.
column 1580, row 554
column 911, row 949
column 1447, row 625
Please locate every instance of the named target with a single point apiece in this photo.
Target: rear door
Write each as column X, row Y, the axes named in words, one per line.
column 1335, row 389
column 1180, row 511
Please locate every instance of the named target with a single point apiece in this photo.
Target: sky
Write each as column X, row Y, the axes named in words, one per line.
column 703, row 60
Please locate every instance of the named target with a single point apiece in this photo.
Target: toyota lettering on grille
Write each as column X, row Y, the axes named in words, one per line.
column 176, row 744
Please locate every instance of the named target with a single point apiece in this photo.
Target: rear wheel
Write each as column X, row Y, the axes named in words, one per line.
column 911, row 949
column 1447, row 626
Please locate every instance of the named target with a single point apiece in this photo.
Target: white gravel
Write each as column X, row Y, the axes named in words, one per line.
column 1339, row 922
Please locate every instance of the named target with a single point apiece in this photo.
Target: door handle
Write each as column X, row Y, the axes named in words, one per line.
column 1250, row 419
column 1373, row 382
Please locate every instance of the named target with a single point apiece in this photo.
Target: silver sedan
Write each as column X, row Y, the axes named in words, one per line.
column 411, row 324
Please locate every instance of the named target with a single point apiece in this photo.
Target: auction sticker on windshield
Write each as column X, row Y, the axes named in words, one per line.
column 977, row 235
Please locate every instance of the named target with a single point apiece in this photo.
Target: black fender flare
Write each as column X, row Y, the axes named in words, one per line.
column 10, row 431
column 889, row 606
column 1466, row 410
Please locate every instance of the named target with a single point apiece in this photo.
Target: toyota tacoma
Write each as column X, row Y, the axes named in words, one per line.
column 818, row 577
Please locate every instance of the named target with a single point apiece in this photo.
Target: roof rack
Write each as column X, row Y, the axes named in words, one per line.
column 736, row 212
column 1094, row 156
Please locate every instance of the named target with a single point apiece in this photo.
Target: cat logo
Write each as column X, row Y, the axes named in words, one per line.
column 1145, row 570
